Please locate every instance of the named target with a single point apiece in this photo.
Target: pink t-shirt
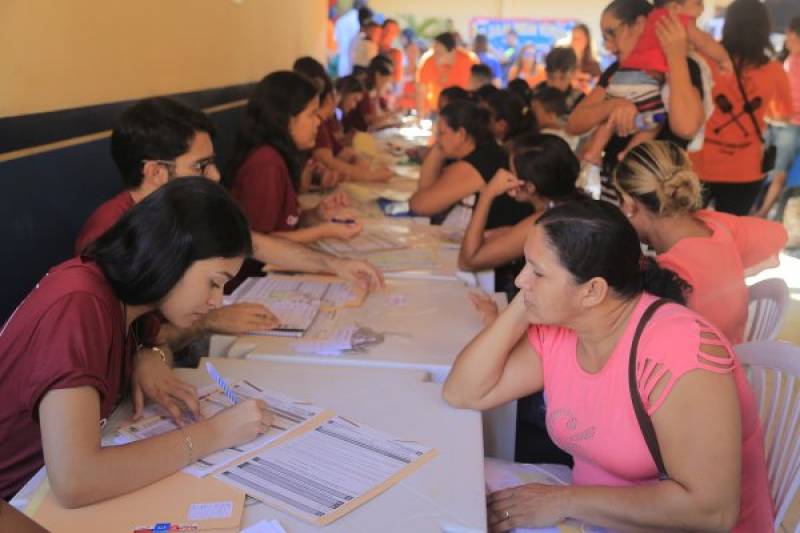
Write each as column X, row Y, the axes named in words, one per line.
column 714, row 266
column 792, row 66
column 591, row 415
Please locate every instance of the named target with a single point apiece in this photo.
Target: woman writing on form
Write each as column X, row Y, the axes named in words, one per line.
column 74, row 345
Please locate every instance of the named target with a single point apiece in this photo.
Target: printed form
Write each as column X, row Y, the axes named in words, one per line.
column 288, row 414
column 324, row 473
column 296, row 301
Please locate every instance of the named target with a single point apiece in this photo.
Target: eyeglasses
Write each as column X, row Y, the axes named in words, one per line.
column 201, row 167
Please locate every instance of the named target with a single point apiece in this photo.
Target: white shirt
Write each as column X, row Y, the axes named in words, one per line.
column 345, row 30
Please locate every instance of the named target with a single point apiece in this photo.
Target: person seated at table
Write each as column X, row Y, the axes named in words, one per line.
column 328, row 150
column 583, row 292
column 711, row 250
column 510, row 116
column 154, row 142
column 73, row 346
column 277, row 130
column 460, row 164
column 463, row 134
column 375, row 105
column 311, row 68
column 157, row 140
column 349, row 93
column 542, row 174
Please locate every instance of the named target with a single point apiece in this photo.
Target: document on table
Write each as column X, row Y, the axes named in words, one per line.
column 370, row 240
column 296, row 301
column 325, row 472
column 401, row 260
column 340, row 341
column 288, row 414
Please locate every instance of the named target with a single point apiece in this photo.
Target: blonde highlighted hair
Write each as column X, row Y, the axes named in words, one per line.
column 659, row 175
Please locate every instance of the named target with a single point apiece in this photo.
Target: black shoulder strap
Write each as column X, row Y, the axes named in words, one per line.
column 645, row 424
column 747, row 107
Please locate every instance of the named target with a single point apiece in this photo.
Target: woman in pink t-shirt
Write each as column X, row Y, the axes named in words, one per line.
column 583, row 291
column 661, row 196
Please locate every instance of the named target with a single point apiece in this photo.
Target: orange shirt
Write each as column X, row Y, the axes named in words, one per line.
column 436, row 77
column 714, row 266
column 732, row 152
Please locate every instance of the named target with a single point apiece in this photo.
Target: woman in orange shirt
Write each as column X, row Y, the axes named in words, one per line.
column 730, row 162
column 710, row 250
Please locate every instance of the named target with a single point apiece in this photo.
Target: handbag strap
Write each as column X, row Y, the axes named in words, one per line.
column 747, row 107
column 645, row 423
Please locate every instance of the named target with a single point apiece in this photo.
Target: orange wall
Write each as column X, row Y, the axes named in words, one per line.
column 60, row 54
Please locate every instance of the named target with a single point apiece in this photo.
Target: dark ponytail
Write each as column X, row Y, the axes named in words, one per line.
column 594, row 239
column 663, row 282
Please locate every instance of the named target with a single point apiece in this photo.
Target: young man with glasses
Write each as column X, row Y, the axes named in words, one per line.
column 159, row 139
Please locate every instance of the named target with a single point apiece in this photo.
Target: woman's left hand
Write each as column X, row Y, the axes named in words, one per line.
column 531, row 505
column 672, row 37
column 154, row 380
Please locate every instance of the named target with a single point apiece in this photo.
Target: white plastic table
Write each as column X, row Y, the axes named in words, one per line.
column 446, row 494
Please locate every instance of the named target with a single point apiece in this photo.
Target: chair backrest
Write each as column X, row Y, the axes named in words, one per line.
column 774, row 371
column 766, row 309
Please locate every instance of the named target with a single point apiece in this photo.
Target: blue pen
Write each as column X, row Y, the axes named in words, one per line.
column 221, row 383
column 343, row 220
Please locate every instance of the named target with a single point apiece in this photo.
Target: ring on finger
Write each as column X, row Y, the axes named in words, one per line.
column 506, row 515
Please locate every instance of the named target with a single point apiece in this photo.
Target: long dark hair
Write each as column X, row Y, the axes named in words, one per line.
column 745, row 34
column 592, row 238
column 470, row 116
column 507, row 105
column 587, row 58
column 276, row 99
column 548, row 163
column 149, row 249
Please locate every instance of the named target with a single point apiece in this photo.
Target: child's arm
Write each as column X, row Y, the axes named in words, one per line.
column 710, row 47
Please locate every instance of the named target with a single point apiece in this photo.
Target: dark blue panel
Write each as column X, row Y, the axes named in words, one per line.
column 47, row 197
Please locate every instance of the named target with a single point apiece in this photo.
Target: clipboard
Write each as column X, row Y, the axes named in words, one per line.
column 168, row 500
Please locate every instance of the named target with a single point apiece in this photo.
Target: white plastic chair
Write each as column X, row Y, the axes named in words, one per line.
column 774, row 371
column 766, row 309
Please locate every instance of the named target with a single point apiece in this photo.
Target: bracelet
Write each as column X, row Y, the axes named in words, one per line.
column 157, row 349
column 187, row 442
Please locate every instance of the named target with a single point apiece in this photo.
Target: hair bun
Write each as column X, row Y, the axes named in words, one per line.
column 680, row 192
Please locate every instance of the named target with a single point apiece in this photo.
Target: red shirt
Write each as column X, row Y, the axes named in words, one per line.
column 326, row 135
column 265, row 192
column 647, row 53
column 102, row 219
column 69, row 332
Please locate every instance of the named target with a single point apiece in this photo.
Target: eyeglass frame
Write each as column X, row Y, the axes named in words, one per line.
column 200, row 166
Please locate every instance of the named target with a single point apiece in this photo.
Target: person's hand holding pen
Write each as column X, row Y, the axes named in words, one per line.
column 344, row 229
